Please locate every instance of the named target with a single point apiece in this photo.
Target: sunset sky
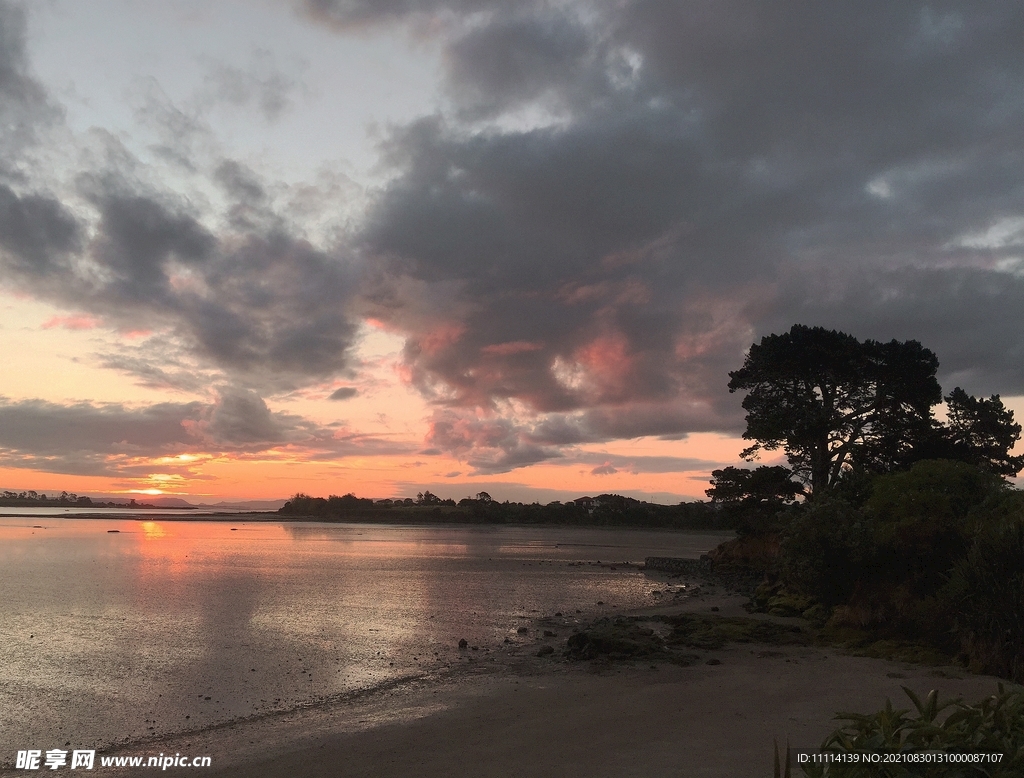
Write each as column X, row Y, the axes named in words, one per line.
column 380, row 246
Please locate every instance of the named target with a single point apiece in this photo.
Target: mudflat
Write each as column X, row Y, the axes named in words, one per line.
column 518, row 714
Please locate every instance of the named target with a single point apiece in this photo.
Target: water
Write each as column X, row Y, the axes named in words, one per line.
column 167, row 626
column 154, row 513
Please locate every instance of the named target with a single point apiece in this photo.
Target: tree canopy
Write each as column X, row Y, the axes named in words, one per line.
column 824, row 397
column 737, row 485
column 834, row 403
column 981, row 432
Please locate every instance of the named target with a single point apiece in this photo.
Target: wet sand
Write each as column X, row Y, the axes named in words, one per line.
column 516, row 714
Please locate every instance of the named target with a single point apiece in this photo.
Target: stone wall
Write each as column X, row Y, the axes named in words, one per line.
column 669, row 564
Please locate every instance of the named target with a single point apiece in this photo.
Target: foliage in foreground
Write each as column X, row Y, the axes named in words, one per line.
column 985, row 596
column 933, row 554
column 993, row 726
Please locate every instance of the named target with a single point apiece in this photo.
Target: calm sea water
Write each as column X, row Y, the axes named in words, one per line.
column 166, row 626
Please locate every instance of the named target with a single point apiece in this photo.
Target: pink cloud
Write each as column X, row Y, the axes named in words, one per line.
column 441, row 337
column 511, row 347
column 74, row 322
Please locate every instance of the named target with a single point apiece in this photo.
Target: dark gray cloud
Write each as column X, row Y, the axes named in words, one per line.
column 544, row 57
column 253, row 300
column 45, row 428
column 37, row 233
column 266, row 307
column 969, row 316
column 609, row 464
column 496, row 444
column 25, row 106
column 115, row 439
column 724, row 170
column 615, row 201
column 488, row 445
column 344, row 393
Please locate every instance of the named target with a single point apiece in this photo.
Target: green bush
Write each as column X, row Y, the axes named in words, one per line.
column 993, row 726
column 889, row 558
column 924, row 519
column 985, row 598
column 933, row 490
column 827, row 549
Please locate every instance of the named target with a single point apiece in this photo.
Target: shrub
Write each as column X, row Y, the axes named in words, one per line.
column 993, row 726
column 889, row 558
column 985, row 597
column 826, row 550
column 923, row 519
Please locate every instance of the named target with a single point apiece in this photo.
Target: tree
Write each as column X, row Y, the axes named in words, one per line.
column 828, row 399
column 427, row 498
column 981, row 432
column 733, row 485
column 749, row 500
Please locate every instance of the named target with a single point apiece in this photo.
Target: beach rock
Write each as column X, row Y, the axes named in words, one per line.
column 789, row 604
column 713, row 632
column 545, row 651
column 522, row 630
column 548, row 633
column 463, row 643
column 617, row 638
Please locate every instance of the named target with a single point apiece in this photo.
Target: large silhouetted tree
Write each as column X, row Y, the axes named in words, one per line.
column 827, row 399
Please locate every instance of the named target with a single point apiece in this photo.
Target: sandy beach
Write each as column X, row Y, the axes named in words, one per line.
column 512, row 713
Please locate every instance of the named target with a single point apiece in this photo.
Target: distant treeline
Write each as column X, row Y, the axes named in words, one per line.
column 31, row 499
column 604, row 510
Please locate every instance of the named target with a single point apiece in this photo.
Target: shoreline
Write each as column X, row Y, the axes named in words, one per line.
column 270, row 517
column 525, row 714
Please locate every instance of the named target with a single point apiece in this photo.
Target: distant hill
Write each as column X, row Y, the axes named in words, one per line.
column 171, row 502
column 253, row 505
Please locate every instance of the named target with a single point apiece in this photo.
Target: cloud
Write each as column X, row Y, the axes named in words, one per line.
column 489, row 445
column 343, row 393
column 37, row 233
column 608, row 464
column 242, row 291
column 610, row 203
column 116, row 439
column 747, row 170
column 73, row 322
column 546, row 58
column 346, row 15
column 267, row 308
column 262, row 83
column 25, row 107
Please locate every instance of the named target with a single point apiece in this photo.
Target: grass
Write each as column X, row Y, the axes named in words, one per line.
column 713, row 632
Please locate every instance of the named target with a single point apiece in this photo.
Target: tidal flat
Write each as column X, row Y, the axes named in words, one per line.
column 129, row 630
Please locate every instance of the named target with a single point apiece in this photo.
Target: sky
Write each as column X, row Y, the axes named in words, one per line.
column 253, row 248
